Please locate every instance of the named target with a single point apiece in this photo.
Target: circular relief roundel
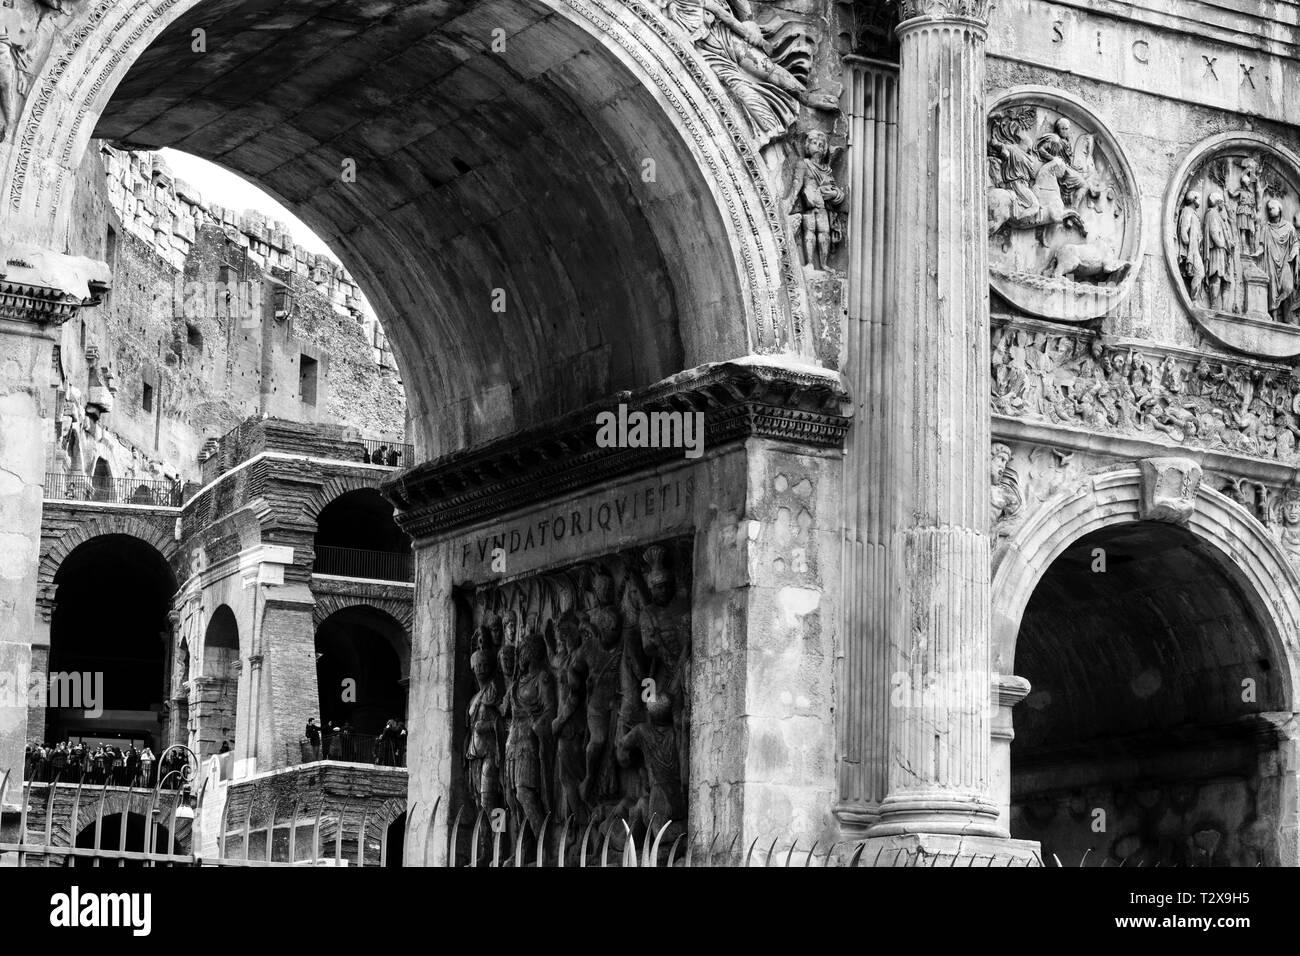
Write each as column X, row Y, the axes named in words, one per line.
column 1230, row 235
column 1065, row 215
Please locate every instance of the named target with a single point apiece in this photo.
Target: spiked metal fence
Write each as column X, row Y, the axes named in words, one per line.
column 560, row 843
column 490, row 847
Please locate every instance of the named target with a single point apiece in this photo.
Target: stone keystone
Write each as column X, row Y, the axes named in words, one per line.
column 1169, row 488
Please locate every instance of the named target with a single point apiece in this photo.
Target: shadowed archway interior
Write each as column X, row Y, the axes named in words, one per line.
column 361, row 655
column 526, row 219
column 110, row 621
column 1143, row 736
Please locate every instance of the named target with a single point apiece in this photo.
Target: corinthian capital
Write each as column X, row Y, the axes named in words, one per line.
column 975, row 9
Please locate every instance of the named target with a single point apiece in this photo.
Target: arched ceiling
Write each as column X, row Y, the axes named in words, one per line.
column 519, row 170
column 1156, row 645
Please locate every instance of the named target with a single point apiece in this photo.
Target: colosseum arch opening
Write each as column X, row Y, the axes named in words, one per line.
column 108, row 631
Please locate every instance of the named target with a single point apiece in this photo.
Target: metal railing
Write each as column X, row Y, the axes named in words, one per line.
column 360, row 563
column 118, row 491
column 377, row 451
column 351, row 748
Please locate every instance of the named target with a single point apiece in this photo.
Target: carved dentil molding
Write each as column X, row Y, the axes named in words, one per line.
column 739, row 400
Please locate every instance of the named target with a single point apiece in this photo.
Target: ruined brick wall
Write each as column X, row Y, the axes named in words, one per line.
column 167, row 363
column 343, row 797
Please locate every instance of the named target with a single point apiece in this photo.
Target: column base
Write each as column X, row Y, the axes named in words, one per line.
column 948, row 849
column 939, row 811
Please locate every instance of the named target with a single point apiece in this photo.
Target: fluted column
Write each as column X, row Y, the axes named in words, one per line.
column 871, row 104
column 937, row 360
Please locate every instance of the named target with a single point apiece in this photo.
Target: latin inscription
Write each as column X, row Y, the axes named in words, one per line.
column 619, row 511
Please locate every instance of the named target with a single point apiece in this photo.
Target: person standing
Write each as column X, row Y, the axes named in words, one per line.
column 313, row 737
column 146, row 766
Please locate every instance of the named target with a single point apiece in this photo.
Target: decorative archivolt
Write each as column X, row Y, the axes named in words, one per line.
column 1243, row 545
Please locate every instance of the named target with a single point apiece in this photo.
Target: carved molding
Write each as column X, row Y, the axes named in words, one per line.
column 738, row 400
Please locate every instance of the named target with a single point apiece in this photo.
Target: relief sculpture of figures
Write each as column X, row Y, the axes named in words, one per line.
column 1081, row 381
column 1236, row 255
column 27, row 28
column 585, row 720
column 1062, row 220
column 764, row 67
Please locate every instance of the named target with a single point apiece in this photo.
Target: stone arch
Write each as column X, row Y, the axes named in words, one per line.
column 54, row 554
column 400, row 613
column 336, row 487
column 645, row 89
column 1113, row 498
column 115, row 801
column 328, row 604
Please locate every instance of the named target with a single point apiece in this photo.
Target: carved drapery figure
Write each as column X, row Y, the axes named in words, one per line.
column 1246, row 197
column 815, row 202
column 483, row 750
column 601, row 658
column 1191, row 264
column 762, row 67
column 1280, row 261
column 570, row 717
column 573, row 699
column 656, row 739
column 1005, row 497
column 530, row 703
column 666, row 637
column 1220, row 250
column 1290, row 533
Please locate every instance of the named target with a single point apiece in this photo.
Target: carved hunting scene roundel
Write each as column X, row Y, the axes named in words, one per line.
column 1231, row 242
column 1064, row 214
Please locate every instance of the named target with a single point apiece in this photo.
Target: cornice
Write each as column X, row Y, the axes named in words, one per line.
column 740, row 400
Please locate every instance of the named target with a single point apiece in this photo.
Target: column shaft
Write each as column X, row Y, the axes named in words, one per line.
column 937, row 357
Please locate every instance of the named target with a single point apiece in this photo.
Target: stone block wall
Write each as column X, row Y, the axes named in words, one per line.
column 166, row 362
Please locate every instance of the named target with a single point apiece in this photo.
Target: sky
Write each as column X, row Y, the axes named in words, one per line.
column 226, row 189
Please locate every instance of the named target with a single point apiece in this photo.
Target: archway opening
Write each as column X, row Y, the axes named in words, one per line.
column 102, row 480
column 214, row 703
column 396, row 841
column 137, row 836
column 356, row 537
column 361, row 658
column 529, row 216
column 1145, row 735
column 108, row 639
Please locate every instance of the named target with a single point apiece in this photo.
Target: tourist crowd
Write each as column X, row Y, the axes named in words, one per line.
column 387, row 749
column 68, row 762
